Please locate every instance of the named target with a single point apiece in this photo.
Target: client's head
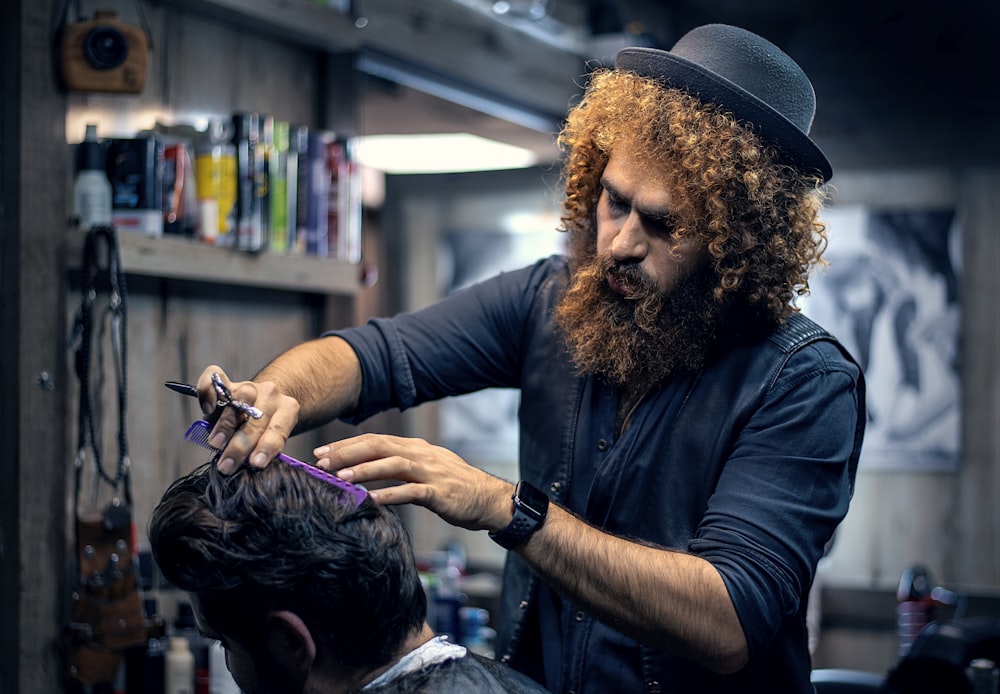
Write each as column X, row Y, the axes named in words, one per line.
column 289, row 574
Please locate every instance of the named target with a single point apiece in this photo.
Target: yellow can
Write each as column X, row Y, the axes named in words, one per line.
column 215, row 181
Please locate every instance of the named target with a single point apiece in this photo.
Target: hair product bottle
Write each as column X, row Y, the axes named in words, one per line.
column 186, row 627
column 180, row 667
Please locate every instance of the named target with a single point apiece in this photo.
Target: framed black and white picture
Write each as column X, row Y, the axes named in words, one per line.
column 891, row 294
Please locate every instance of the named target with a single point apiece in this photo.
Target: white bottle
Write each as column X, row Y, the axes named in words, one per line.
column 179, row 675
column 91, row 187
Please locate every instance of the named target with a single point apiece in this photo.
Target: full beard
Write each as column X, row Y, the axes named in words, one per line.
column 640, row 340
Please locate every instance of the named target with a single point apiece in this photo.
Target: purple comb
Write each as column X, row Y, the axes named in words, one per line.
column 198, row 433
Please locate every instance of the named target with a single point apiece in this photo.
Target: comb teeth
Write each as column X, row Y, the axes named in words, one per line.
column 198, row 433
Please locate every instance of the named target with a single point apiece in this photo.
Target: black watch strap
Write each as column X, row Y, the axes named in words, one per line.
column 530, row 509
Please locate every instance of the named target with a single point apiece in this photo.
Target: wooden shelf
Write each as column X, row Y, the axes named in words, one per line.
column 183, row 259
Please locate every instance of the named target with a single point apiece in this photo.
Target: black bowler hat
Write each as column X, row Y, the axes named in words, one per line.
column 746, row 75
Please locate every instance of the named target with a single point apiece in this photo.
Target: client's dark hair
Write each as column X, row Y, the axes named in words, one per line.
column 279, row 539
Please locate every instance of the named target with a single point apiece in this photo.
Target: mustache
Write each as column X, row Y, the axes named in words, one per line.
column 642, row 306
column 628, row 274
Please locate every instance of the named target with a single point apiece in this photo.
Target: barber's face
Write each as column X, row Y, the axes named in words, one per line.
column 634, row 226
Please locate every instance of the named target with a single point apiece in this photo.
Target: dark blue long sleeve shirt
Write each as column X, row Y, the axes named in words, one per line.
column 752, row 473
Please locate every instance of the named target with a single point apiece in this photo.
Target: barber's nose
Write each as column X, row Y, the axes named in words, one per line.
column 630, row 242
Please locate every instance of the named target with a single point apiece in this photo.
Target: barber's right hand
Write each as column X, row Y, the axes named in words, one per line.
column 240, row 438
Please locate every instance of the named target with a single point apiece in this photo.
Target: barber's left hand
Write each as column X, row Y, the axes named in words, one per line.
column 432, row 476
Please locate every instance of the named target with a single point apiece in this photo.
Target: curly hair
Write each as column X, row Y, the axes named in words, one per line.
column 278, row 539
column 757, row 216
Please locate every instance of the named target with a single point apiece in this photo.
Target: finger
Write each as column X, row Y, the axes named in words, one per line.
column 229, row 434
column 227, row 422
column 259, row 441
column 207, row 397
column 268, row 434
column 350, row 452
column 394, row 468
column 430, row 476
column 487, row 509
column 407, row 493
column 231, row 418
column 229, row 437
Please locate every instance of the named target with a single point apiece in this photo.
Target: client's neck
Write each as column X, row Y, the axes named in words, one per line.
column 417, row 638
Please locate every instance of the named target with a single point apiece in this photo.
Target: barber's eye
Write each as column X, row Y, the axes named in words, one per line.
column 616, row 204
column 663, row 227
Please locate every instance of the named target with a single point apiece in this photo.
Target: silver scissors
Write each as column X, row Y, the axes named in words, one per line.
column 222, row 393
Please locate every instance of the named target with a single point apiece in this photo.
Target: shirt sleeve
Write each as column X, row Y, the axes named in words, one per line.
column 470, row 340
column 784, row 490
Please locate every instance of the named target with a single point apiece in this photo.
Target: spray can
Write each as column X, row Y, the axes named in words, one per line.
column 914, row 605
column 278, row 167
column 135, row 168
column 251, row 187
column 984, row 676
column 215, row 180
column 91, row 187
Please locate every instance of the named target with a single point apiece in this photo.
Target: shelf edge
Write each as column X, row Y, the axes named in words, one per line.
column 183, row 259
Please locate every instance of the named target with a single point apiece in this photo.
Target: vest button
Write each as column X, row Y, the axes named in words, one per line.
column 580, row 616
column 602, row 445
column 523, row 605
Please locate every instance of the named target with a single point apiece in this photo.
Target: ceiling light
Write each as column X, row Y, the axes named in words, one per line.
column 438, row 153
column 534, row 10
column 409, row 74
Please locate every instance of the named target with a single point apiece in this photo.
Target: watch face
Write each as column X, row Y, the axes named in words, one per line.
column 531, row 501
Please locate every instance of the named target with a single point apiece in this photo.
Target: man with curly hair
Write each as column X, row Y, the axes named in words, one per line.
column 688, row 440
column 307, row 590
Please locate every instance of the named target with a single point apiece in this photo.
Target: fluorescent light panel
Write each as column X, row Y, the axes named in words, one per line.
column 471, row 96
column 438, row 153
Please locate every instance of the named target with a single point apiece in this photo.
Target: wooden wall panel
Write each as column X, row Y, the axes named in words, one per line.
column 976, row 520
column 32, row 490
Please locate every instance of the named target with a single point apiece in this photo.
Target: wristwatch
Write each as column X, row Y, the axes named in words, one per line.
column 530, row 508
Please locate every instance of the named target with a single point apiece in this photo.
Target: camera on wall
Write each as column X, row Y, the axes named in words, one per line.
column 104, row 55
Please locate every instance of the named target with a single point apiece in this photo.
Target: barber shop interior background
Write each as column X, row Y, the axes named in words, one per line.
column 400, row 151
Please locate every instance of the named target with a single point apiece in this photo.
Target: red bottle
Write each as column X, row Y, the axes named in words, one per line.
column 915, row 605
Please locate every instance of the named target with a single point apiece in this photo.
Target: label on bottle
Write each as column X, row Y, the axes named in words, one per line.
column 92, row 199
column 215, row 181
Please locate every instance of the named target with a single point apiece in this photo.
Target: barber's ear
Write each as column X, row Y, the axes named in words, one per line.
column 290, row 642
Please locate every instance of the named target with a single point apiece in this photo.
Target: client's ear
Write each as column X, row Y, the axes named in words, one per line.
column 290, row 642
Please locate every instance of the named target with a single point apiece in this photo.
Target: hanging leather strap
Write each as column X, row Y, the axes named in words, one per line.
column 107, row 616
column 94, row 326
